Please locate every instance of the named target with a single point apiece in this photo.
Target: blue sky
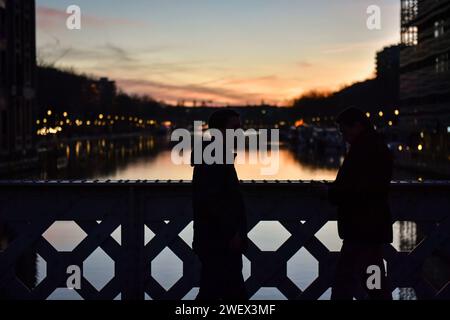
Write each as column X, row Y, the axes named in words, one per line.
column 226, row 51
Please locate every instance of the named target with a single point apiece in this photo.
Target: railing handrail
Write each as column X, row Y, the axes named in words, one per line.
column 87, row 182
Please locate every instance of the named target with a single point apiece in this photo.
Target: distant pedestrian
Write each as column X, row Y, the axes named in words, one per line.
column 360, row 193
column 220, row 227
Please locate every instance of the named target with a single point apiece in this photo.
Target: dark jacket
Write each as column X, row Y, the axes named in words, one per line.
column 218, row 206
column 361, row 191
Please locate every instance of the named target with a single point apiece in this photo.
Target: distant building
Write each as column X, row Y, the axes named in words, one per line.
column 388, row 63
column 107, row 92
column 388, row 79
column 17, row 77
column 424, row 73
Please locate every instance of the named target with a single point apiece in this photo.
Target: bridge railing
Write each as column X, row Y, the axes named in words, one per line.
column 117, row 217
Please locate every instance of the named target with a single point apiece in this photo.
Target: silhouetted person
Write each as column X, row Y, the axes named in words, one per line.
column 360, row 193
column 220, row 228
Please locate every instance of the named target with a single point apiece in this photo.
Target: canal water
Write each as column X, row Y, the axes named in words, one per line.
column 150, row 158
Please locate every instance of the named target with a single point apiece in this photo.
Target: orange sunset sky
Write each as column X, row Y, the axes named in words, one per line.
column 229, row 52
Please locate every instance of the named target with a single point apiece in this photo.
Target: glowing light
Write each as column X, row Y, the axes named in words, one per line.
column 400, row 148
column 422, row 135
column 397, row 112
column 299, row 123
column 38, row 122
column 65, row 114
column 420, row 147
column 390, row 123
column 45, row 131
column 49, row 112
column 88, row 123
column 368, row 114
column 380, row 113
column 44, row 121
column 100, row 116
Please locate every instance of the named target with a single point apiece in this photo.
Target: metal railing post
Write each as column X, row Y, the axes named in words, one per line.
column 132, row 273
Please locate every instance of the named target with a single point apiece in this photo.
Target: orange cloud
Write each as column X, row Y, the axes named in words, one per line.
column 271, row 89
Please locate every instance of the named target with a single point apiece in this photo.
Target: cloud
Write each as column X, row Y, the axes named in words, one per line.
column 105, row 57
column 304, row 64
column 166, row 91
column 221, row 91
column 50, row 18
column 120, row 53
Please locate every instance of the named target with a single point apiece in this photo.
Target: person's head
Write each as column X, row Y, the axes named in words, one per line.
column 224, row 119
column 352, row 123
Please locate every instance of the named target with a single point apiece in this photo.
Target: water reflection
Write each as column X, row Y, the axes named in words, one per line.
column 95, row 158
column 149, row 157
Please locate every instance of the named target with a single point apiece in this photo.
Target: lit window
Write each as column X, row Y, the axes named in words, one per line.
column 439, row 28
column 441, row 63
column 410, row 36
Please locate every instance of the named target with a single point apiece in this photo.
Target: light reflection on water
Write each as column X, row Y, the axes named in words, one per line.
column 161, row 167
column 149, row 158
